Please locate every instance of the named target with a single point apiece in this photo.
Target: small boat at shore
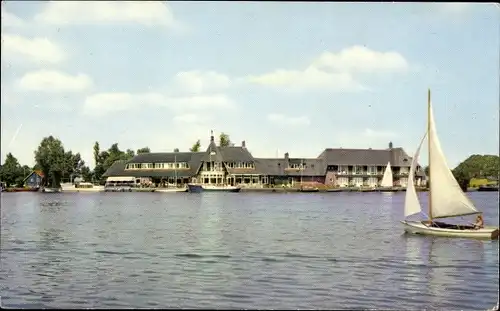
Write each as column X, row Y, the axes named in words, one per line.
column 446, row 198
column 81, row 187
column 171, row 190
column 308, row 189
column 488, row 188
column 197, row 188
column 50, row 190
column 23, row 189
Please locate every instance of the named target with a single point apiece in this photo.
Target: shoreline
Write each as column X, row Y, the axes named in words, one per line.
column 248, row 190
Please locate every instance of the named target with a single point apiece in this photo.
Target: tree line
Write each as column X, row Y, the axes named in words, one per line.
column 475, row 166
column 58, row 164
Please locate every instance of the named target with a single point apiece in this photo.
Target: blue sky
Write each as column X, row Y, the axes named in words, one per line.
column 285, row 77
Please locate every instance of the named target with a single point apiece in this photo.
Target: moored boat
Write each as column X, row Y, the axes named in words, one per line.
column 446, row 198
column 309, row 189
column 171, row 190
column 197, row 188
column 50, row 189
column 488, row 188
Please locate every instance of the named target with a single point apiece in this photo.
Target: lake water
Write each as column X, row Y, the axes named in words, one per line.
column 236, row 250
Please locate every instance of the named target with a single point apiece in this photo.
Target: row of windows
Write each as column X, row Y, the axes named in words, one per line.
column 300, row 166
column 365, row 168
column 240, row 165
column 132, row 166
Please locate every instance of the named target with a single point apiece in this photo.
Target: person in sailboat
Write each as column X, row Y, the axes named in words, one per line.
column 479, row 222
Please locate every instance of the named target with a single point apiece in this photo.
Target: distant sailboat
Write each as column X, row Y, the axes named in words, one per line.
column 387, row 181
column 446, row 198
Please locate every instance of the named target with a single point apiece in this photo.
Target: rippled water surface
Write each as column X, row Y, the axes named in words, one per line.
column 236, row 250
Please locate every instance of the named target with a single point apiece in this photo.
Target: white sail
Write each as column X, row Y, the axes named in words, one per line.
column 387, row 179
column 412, row 204
column 448, row 199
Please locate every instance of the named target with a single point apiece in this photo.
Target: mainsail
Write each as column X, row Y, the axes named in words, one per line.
column 387, row 178
column 447, row 198
column 412, row 204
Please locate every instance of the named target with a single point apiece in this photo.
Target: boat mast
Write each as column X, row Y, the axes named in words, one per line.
column 175, row 160
column 429, row 149
column 211, row 164
column 301, row 171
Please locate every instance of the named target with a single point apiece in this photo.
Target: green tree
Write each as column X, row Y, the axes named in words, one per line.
column 86, row 173
column 23, row 173
column 11, row 171
column 143, row 150
column 224, row 140
column 196, row 147
column 477, row 166
column 115, row 154
column 108, row 157
column 99, row 167
column 426, row 170
column 130, row 153
column 52, row 160
column 176, row 150
column 97, row 150
column 73, row 165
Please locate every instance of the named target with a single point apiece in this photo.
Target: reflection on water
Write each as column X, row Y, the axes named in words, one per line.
column 221, row 250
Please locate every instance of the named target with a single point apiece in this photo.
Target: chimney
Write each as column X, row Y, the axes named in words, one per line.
column 286, row 156
column 211, row 136
column 390, row 145
column 243, row 144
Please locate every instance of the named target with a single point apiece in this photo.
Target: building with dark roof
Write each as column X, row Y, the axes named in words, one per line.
column 235, row 165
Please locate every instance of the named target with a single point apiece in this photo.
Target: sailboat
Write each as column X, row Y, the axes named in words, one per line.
column 446, row 198
column 387, row 182
column 176, row 188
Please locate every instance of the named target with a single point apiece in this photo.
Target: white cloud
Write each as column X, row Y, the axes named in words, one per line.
column 378, row 133
column 281, row 119
column 196, row 82
column 52, row 81
column 311, row 78
column 455, row 7
column 104, row 103
column 10, row 20
column 220, row 101
column 361, row 59
column 39, row 50
column 147, row 13
column 8, row 97
column 335, row 71
column 191, row 118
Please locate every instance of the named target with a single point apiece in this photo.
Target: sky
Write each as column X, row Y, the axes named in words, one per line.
column 291, row 77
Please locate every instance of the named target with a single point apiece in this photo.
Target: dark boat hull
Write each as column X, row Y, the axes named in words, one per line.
column 195, row 188
column 199, row 188
column 309, row 190
column 391, row 189
column 488, row 188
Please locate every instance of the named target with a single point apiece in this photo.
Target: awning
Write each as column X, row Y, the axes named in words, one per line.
column 120, row 178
